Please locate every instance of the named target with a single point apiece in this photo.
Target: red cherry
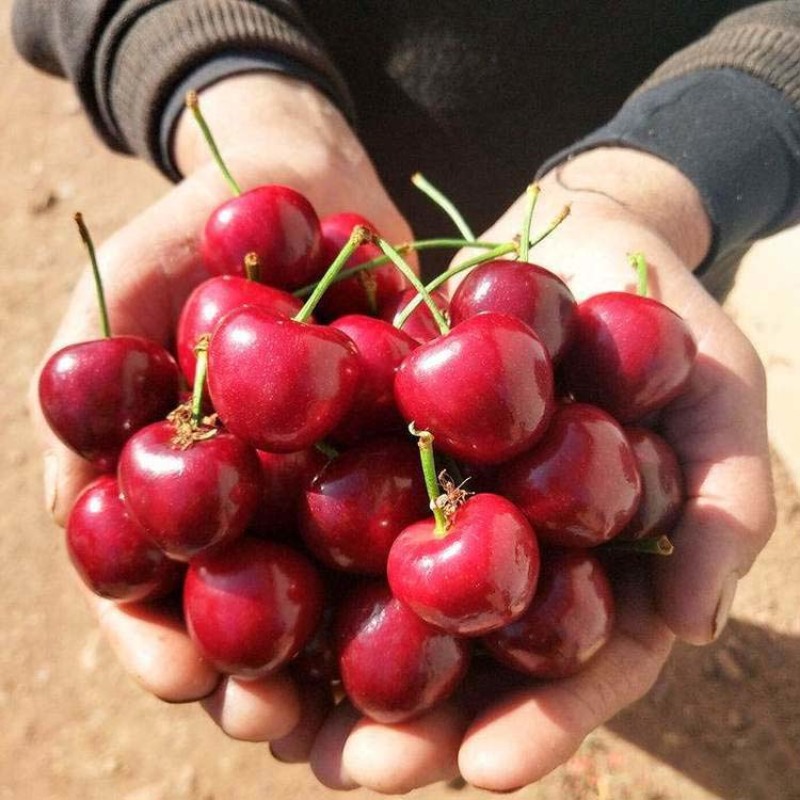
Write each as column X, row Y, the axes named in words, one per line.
column 484, row 390
column 189, row 499
column 631, row 355
column 358, row 504
column 365, row 292
column 570, row 619
column 662, row 485
column 420, row 325
column 478, row 577
column 529, row 292
column 251, row 607
column 111, row 552
column 279, row 384
column 580, row 485
column 214, row 298
column 393, row 665
column 96, row 394
column 382, row 349
column 276, row 223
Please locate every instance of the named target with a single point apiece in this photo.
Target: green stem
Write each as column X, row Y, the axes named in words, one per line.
column 425, row 442
column 200, row 373
column 562, row 215
column 653, row 545
column 422, row 293
column 444, row 202
column 639, row 263
column 193, row 104
column 359, row 236
column 252, row 267
column 531, row 196
column 327, row 450
column 98, row 283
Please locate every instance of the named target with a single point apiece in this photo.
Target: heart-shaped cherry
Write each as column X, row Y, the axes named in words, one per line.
column 393, row 665
column 251, row 607
column 579, row 486
column 484, row 390
column 569, row 620
column 111, row 552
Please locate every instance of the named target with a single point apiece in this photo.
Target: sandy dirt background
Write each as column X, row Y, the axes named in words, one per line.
column 722, row 722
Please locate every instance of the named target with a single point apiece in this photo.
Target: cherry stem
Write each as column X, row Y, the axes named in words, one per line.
column 193, row 104
column 558, row 219
column 423, row 296
column 444, row 202
column 98, row 283
column 426, row 456
column 200, row 373
column 639, row 263
column 252, row 267
column 360, row 235
column 531, row 196
column 329, row 451
column 406, row 247
column 652, row 545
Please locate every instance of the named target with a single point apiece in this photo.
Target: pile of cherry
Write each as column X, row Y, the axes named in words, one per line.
column 295, row 499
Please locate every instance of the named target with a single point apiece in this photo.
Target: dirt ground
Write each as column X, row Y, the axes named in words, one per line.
column 722, row 722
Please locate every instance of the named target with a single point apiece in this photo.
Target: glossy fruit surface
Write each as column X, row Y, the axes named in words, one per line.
column 279, row 384
column 111, row 552
column 189, row 499
column 252, row 607
column 419, row 666
column 485, row 390
column 529, row 292
column 420, row 325
column 96, row 394
column 631, row 355
column 580, row 485
column 276, row 223
column 358, row 504
column 570, row 619
column 478, row 577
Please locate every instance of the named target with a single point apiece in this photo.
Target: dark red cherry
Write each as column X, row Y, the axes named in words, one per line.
column 279, row 384
column 393, row 665
column 96, row 394
column 252, row 607
column 484, row 390
column 478, row 577
column 568, row 622
column 529, row 292
column 276, row 223
column 579, row 486
column 189, row 498
column 111, row 552
column 420, row 325
column 631, row 355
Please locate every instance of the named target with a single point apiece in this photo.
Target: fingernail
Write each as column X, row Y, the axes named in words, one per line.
column 50, row 481
column 725, row 602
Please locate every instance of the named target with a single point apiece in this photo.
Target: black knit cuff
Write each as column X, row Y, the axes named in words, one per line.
column 144, row 57
column 736, row 138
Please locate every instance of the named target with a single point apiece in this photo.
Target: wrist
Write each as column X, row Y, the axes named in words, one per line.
column 659, row 195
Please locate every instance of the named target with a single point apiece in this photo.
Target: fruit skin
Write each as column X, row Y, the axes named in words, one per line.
column 111, row 552
column 214, row 298
column 279, row 384
column 276, row 223
column 484, row 390
column 188, row 500
column 580, row 485
column 96, row 394
column 663, row 491
column 631, row 355
column 570, row 619
column 527, row 291
column 357, row 505
column 478, row 577
column 420, row 324
column 251, row 607
column 418, row 665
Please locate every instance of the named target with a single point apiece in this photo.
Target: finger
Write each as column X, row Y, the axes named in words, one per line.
column 316, row 703
column 530, row 732
column 325, row 758
column 152, row 645
column 256, row 710
column 395, row 759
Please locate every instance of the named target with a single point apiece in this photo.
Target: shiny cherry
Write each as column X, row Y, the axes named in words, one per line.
column 420, row 325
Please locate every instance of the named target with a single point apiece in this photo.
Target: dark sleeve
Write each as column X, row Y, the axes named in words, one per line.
column 129, row 59
column 726, row 112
